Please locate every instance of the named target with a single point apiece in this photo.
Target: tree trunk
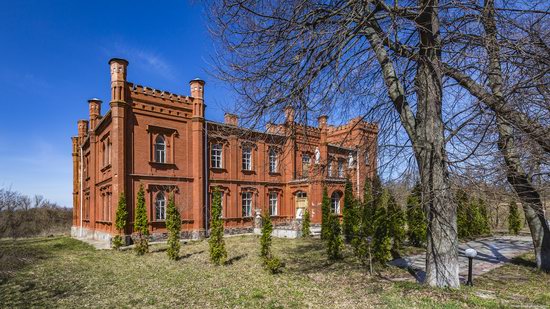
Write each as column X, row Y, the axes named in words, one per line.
column 528, row 194
column 520, row 181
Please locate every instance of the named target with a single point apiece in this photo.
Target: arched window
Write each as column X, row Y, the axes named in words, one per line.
column 335, row 203
column 160, row 207
column 306, row 160
column 160, row 149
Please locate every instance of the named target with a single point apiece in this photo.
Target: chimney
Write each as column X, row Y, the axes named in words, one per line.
column 231, row 119
column 197, row 88
column 322, row 121
column 82, row 128
column 289, row 114
column 118, row 78
column 95, row 111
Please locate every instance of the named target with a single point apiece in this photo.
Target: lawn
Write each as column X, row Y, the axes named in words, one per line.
column 63, row 272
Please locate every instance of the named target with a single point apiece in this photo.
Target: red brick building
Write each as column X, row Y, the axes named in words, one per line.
column 161, row 141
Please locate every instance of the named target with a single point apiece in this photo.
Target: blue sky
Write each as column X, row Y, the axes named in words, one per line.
column 53, row 57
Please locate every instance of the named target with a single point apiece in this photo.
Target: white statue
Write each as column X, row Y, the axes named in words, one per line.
column 350, row 160
column 317, row 155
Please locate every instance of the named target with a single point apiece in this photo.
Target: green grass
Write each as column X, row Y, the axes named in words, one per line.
column 63, row 272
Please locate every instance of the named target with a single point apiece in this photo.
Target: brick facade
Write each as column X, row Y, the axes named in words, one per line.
column 162, row 141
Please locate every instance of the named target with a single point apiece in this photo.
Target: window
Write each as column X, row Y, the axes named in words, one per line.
column 272, row 161
column 335, row 203
column 340, row 168
column 305, row 165
column 366, row 157
column 160, row 207
column 247, row 158
column 216, row 156
column 104, row 148
column 273, row 197
column 247, row 204
column 160, row 149
column 329, row 168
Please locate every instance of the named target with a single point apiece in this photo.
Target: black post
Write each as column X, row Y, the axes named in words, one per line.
column 469, row 282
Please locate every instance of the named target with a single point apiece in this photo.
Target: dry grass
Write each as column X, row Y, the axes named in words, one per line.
column 62, row 272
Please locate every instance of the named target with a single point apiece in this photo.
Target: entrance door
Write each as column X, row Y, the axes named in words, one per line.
column 301, row 204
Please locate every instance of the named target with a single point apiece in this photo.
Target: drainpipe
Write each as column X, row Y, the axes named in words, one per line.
column 81, row 189
column 206, row 175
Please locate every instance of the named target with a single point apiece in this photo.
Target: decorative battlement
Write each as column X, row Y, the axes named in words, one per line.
column 161, row 94
column 356, row 123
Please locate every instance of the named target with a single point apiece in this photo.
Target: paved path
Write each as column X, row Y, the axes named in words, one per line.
column 492, row 252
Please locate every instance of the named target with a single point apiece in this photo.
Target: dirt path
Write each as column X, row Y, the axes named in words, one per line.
column 492, row 252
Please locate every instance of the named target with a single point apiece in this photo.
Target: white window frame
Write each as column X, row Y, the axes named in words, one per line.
column 330, row 169
column 160, row 207
column 216, row 155
column 273, row 164
column 247, row 158
column 335, row 202
column 273, row 203
column 246, row 200
column 160, row 149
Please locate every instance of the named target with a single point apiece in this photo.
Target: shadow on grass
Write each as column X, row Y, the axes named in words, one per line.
column 521, row 261
column 235, row 259
column 188, row 255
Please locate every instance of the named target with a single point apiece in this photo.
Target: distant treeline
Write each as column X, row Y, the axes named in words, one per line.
column 24, row 216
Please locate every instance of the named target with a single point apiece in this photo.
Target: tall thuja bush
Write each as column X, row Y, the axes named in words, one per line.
column 121, row 218
column 486, row 228
column 462, row 216
column 514, row 221
column 218, row 254
column 396, row 223
column 349, row 215
column 141, row 225
column 381, row 239
column 173, row 225
column 325, row 214
column 362, row 239
column 416, row 219
column 334, row 241
column 306, row 224
column 271, row 263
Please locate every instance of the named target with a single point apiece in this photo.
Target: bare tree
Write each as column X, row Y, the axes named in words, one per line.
column 311, row 55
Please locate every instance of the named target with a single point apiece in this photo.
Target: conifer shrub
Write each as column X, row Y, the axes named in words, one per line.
column 462, row 217
column 396, row 223
column 486, row 227
column 265, row 239
column 416, row 219
column 218, row 253
column 325, row 214
column 381, row 239
column 334, row 240
column 271, row 264
column 141, row 225
column 121, row 217
column 514, row 221
column 361, row 242
column 349, row 215
column 173, row 225
column 306, row 224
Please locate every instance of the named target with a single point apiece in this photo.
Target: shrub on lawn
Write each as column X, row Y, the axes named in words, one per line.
column 334, row 239
column 514, row 222
column 306, row 224
column 382, row 240
column 361, row 242
column 218, row 254
column 325, row 214
column 173, row 225
column 396, row 223
column 349, row 215
column 416, row 219
column 141, row 224
column 271, row 263
column 121, row 216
